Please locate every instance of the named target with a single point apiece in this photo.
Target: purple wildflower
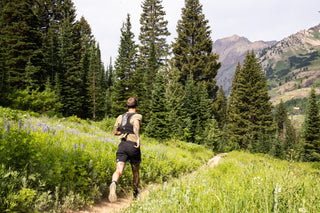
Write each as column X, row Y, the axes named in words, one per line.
column 20, row 123
column 4, row 124
column 8, row 127
column 75, row 146
column 82, row 146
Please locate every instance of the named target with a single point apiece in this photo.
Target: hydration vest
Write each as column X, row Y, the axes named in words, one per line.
column 126, row 127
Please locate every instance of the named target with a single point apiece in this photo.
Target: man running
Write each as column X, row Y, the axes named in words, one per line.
column 127, row 126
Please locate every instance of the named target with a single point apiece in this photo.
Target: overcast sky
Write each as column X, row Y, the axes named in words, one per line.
column 255, row 19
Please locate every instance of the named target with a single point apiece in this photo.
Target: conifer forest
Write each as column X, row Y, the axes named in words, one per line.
column 51, row 63
column 59, row 102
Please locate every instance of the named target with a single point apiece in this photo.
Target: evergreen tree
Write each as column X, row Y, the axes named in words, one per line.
column 290, row 145
column 125, row 66
column 94, row 78
column 109, row 78
column 249, row 109
column 3, row 77
column 312, row 129
column 236, row 127
column 193, row 48
column 153, row 51
column 281, row 117
column 70, row 74
column 148, row 80
column 276, row 147
column 85, row 85
column 175, row 96
column 220, row 108
column 157, row 127
column 101, row 111
column 58, row 88
column 153, row 28
column 285, row 129
column 196, row 110
column 213, row 135
column 20, row 41
column 110, row 74
column 51, row 16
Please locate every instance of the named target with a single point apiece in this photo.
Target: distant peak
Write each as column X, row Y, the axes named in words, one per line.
column 235, row 36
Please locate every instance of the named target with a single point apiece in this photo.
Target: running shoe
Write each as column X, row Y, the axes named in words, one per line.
column 112, row 193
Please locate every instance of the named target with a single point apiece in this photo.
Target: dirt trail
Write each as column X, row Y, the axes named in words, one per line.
column 122, row 203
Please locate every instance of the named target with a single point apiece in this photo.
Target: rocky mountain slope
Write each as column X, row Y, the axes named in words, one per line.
column 293, row 63
column 231, row 51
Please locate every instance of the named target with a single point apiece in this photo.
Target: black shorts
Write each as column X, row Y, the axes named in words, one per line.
column 128, row 153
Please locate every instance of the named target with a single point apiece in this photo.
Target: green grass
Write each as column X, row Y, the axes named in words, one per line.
column 281, row 65
column 51, row 164
column 240, row 183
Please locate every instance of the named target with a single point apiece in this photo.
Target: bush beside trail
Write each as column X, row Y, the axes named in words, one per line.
column 51, row 164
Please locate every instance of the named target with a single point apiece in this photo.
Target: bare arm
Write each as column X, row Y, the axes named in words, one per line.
column 116, row 131
column 136, row 130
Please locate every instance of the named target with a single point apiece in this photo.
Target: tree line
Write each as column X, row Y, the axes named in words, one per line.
column 50, row 62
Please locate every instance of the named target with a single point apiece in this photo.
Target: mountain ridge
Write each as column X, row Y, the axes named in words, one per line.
column 232, row 50
column 291, row 63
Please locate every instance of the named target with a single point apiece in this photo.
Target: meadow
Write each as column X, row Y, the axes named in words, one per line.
column 55, row 164
column 241, row 182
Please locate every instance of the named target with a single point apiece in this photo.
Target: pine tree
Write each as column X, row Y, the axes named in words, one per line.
column 192, row 48
column 70, row 77
column 220, row 108
column 157, row 127
column 153, row 51
column 51, row 16
column 235, row 126
column 213, row 135
column 109, row 78
column 94, row 80
column 196, row 112
column 84, row 76
column 153, row 28
column 281, row 117
column 249, row 109
column 285, row 129
column 148, row 80
column 20, row 41
column 276, row 147
column 311, row 134
column 175, row 98
column 101, row 111
column 125, row 66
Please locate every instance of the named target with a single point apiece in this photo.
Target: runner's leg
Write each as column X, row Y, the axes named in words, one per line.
column 115, row 177
column 120, row 167
column 136, row 179
column 135, row 173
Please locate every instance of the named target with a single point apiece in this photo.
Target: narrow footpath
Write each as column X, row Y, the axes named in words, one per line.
column 105, row 206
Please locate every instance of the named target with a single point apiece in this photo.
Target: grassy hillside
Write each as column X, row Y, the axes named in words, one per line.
column 51, row 164
column 240, row 183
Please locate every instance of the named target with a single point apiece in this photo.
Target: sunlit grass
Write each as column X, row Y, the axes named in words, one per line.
column 240, row 183
column 66, row 163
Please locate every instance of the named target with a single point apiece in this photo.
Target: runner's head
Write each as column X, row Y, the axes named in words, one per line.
column 132, row 102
